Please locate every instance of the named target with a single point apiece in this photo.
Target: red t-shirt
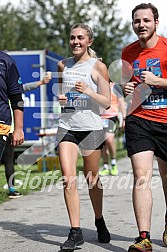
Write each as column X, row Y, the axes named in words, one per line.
column 148, row 102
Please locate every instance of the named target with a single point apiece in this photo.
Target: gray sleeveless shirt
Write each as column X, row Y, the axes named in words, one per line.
column 81, row 112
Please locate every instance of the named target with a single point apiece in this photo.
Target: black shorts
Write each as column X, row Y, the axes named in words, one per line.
column 86, row 140
column 111, row 124
column 142, row 135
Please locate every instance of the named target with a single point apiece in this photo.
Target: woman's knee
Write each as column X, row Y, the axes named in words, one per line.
column 69, row 182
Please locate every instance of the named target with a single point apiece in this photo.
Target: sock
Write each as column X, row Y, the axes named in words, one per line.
column 100, row 225
column 144, row 234
column 166, row 218
column 99, row 221
column 11, row 189
column 102, row 231
column 75, row 229
column 105, row 166
column 113, row 162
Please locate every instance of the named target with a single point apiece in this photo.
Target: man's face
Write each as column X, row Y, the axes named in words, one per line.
column 144, row 24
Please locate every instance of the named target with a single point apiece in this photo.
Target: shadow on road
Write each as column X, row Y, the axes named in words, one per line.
column 35, row 233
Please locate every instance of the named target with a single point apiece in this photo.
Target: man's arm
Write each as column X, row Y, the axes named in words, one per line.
column 17, row 106
column 18, row 135
column 150, row 79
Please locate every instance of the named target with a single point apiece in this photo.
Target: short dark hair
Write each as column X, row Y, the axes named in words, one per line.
column 145, row 6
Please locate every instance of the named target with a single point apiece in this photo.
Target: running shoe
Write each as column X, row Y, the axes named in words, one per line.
column 114, row 170
column 104, row 172
column 165, row 236
column 75, row 238
column 14, row 194
column 141, row 245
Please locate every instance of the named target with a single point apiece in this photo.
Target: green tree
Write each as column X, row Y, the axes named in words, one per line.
column 102, row 15
column 39, row 24
column 20, row 30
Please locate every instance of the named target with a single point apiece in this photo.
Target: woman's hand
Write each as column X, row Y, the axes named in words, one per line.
column 62, row 100
column 82, row 87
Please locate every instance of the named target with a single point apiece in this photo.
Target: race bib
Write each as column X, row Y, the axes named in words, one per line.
column 77, row 101
column 156, row 100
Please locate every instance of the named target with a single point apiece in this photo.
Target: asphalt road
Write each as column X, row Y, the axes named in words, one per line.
column 39, row 222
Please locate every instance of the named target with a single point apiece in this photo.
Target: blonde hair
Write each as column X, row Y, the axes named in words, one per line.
column 91, row 52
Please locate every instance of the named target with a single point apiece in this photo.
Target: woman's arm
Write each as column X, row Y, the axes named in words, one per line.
column 61, row 96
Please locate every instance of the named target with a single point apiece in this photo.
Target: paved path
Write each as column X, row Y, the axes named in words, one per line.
column 39, row 222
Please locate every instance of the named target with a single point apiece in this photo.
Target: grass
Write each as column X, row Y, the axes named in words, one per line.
column 34, row 179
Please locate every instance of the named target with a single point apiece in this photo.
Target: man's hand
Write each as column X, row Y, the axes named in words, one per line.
column 17, row 137
column 149, row 78
column 129, row 88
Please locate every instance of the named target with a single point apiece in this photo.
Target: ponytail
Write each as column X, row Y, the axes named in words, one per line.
column 92, row 53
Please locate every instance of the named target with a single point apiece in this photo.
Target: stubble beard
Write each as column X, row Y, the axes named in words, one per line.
column 144, row 39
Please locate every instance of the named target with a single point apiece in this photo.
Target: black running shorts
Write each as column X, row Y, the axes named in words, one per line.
column 86, row 140
column 142, row 135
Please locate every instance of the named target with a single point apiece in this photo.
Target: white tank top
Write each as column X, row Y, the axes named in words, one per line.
column 82, row 114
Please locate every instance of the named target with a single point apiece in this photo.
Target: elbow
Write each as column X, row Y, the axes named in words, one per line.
column 108, row 104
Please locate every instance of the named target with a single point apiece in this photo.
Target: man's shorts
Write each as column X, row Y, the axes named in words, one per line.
column 86, row 140
column 110, row 124
column 143, row 135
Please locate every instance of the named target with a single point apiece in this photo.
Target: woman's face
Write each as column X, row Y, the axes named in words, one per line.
column 79, row 41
